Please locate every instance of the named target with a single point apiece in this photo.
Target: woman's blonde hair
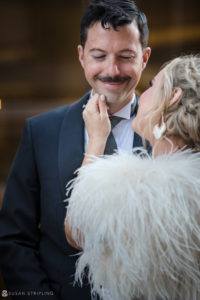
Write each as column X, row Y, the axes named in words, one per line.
column 182, row 119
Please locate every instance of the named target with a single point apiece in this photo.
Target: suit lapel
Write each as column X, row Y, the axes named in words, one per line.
column 71, row 142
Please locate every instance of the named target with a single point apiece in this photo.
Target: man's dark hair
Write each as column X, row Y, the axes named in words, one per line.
column 114, row 13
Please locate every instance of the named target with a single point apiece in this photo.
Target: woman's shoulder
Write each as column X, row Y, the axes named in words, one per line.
column 140, row 162
column 139, row 174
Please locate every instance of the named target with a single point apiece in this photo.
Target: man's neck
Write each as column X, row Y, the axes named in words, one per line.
column 115, row 107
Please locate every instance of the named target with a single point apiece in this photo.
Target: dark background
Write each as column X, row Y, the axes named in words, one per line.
column 39, row 67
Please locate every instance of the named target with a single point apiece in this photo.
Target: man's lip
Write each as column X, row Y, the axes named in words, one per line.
column 111, row 83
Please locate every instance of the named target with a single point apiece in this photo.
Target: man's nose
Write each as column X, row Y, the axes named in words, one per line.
column 112, row 68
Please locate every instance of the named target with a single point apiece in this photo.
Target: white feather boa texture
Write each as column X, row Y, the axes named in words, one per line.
column 139, row 218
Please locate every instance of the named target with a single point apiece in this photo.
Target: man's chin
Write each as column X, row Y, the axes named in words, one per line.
column 115, row 99
column 112, row 97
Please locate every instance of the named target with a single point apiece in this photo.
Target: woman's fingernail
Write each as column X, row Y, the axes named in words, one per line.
column 102, row 97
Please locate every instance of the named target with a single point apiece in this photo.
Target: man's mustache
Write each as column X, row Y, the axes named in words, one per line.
column 115, row 79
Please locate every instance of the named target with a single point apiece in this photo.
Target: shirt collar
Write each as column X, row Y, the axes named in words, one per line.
column 125, row 112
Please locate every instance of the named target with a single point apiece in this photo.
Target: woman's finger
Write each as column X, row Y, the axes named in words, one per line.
column 103, row 108
column 92, row 104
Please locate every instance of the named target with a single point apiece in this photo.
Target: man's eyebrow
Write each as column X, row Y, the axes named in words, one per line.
column 96, row 49
column 121, row 51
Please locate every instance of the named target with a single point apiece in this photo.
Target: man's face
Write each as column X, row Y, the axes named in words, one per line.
column 113, row 61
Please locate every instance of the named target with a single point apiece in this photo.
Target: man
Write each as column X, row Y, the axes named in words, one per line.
column 36, row 259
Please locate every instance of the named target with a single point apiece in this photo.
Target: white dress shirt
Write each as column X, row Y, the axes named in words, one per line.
column 123, row 132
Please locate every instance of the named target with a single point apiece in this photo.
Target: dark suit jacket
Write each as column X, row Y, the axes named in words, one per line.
column 34, row 254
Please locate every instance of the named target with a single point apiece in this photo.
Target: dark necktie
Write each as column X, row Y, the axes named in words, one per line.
column 111, row 145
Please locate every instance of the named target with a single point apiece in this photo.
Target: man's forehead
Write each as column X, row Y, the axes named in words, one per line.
column 127, row 34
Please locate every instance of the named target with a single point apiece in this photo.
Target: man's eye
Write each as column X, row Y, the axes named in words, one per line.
column 126, row 57
column 98, row 56
column 150, row 83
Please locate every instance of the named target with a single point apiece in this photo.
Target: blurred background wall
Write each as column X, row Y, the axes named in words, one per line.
column 39, row 67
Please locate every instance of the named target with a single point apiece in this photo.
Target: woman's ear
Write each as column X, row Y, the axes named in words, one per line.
column 176, row 95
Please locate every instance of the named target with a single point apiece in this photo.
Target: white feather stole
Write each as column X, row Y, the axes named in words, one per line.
column 139, row 218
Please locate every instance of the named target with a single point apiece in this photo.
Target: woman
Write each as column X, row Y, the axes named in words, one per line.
column 136, row 217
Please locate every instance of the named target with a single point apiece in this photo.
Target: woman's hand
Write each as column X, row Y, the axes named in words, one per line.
column 98, row 126
column 96, row 119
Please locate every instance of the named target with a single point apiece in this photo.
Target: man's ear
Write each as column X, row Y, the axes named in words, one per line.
column 146, row 55
column 81, row 55
column 176, row 95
